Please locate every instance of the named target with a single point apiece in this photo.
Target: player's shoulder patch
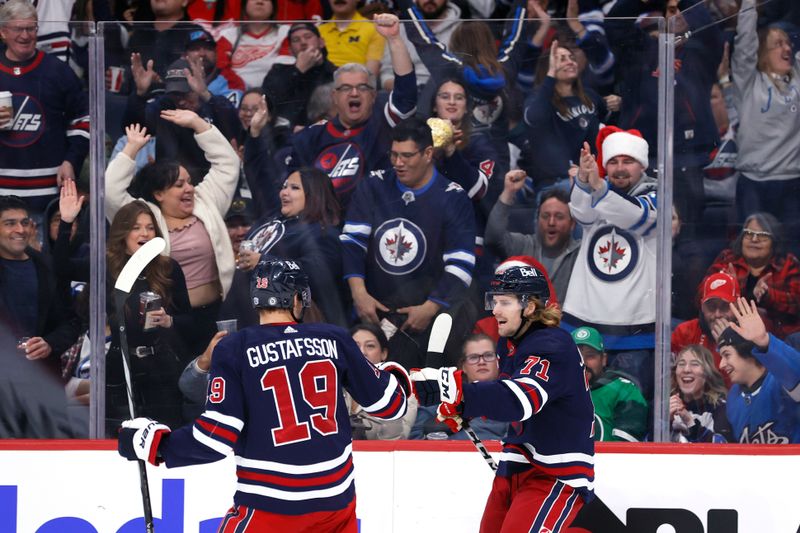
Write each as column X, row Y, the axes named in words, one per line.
column 453, row 186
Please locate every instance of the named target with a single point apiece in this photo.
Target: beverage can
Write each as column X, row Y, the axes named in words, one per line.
column 247, row 246
column 6, row 101
column 148, row 302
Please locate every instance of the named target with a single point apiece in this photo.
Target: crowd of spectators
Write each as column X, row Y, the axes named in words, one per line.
column 303, row 132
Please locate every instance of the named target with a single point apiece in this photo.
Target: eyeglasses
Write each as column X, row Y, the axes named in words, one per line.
column 405, row 156
column 488, row 357
column 756, row 235
column 17, row 30
column 347, row 89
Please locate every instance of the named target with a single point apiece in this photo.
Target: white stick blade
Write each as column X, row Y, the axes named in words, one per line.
column 439, row 333
column 137, row 263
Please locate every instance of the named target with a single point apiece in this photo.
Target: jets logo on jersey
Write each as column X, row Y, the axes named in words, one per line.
column 613, row 253
column 267, row 235
column 401, row 246
column 27, row 124
column 344, row 163
column 487, row 112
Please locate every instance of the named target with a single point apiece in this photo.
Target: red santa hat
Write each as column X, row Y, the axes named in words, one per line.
column 613, row 141
column 526, row 260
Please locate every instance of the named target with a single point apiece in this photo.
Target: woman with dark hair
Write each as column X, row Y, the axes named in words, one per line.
column 156, row 352
column 563, row 108
column 765, row 271
column 191, row 218
column 306, row 231
column 486, row 70
column 697, row 401
column 375, row 346
column 250, row 49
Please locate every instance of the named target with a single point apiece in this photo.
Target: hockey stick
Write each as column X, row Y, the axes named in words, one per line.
column 122, row 289
column 436, row 343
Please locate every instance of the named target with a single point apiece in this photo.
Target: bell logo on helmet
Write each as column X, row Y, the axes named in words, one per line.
column 528, row 272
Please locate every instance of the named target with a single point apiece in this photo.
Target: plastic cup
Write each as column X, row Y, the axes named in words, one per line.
column 5, row 101
column 227, row 325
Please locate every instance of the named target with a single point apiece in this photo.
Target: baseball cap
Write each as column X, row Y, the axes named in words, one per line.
column 588, row 336
column 240, row 208
column 175, row 80
column 200, row 38
column 303, row 26
column 720, row 285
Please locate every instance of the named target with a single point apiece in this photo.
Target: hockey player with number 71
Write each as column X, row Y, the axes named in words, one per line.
column 546, row 470
column 275, row 401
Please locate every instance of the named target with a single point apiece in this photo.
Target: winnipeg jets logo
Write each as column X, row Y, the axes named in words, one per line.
column 487, row 112
column 453, row 186
column 613, row 253
column 27, row 124
column 344, row 163
column 267, row 235
column 400, row 246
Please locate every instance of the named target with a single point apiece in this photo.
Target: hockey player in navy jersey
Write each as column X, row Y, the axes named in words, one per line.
column 763, row 402
column 546, row 470
column 357, row 140
column 275, row 401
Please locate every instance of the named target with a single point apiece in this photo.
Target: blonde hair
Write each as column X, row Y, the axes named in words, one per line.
column 714, row 390
column 549, row 315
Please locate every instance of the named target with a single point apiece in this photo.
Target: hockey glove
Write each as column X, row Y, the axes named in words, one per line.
column 452, row 397
column 400, row 375
column 426, row 385
column 140, row 438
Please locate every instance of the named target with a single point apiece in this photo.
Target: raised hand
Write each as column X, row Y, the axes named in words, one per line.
column 513, row 183
column 553, row 67
column 186, row 119
column 572, row 19
column 69, row 203
column 307, row 58
column 137, row 139
column 762, row 286
column 387, row 25
column 260, row 118
column 750, row 325
column 588, row 171
column 143, row 77
column 536, row 11
column 196, row 78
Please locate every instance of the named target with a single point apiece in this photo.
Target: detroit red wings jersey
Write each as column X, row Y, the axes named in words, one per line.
column 275, row 400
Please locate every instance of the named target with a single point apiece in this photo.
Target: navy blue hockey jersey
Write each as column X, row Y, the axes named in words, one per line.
column 349, row 154
column 410, row 244
column 545, row 395
column 50, row 126
column 275, row 400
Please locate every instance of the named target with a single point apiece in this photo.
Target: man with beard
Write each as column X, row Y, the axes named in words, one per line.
column 719, row 291
column 620, row 412
column 201, row 50
column 442, row 18
column 552, row 244
column 613, row 283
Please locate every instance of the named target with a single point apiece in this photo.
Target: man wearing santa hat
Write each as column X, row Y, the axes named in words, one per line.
column 612, row 287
